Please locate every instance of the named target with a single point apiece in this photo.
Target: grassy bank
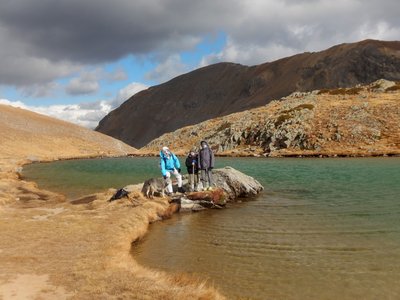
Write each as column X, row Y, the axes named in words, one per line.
column 52, row 248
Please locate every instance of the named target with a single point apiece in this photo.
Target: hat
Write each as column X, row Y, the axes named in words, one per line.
column 165, row 149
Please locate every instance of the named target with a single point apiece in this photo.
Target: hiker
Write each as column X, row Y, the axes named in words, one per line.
column 206, row 164
column 193, row 170
column 170, row 164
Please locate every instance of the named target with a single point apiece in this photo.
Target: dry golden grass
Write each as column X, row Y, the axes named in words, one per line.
column 53, row 249
column 27, row 135
column 84, row 250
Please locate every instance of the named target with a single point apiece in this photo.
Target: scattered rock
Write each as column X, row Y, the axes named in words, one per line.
column 382, row 85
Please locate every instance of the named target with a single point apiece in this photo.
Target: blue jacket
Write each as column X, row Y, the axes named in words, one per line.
column 168, row 164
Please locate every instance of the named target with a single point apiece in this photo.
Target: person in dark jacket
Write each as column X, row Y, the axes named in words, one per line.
column 206, row 164
column 192, row 169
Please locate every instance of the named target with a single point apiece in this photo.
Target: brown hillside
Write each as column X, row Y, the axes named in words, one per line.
column 27, row 135
column 360, row 121
column 225, row 88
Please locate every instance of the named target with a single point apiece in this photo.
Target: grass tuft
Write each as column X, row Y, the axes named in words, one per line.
column 394, row 88
column 341, row 91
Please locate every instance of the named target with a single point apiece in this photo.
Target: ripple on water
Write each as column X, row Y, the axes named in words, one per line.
column 322, row 229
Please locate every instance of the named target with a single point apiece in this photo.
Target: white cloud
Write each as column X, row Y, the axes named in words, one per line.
column 267, row 30
column 85, row 114
column 171, row 67
column 247, row 54
column 40, row 90
column 127, row 92
column 118, row 75
column 13, row 103
column 70, row 113
column 86, row 83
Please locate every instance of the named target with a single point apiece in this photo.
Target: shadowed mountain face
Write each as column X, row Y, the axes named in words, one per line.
column 224, row 88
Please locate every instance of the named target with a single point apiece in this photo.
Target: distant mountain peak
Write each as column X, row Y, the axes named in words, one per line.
column 224, row 88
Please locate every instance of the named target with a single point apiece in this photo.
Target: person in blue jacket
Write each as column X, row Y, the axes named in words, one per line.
column 170, row 164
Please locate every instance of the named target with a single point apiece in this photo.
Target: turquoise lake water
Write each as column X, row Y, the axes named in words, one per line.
column 322, row 229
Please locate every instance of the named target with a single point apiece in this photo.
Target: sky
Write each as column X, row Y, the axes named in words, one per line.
column 79, row 59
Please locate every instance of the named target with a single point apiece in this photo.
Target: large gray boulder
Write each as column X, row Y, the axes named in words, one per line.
column 230, row 184
column 236, row 184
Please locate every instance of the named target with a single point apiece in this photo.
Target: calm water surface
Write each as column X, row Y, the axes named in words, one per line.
column 322, row 229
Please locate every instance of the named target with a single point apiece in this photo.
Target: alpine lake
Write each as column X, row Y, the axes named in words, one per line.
column 322, row 228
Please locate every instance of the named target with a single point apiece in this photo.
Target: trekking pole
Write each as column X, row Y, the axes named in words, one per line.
column 193, row 178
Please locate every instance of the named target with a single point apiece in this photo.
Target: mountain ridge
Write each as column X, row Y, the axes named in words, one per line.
column 358, row 121
column 224, row 88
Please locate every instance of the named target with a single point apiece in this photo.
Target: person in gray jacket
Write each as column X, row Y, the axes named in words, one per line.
column 206, row 164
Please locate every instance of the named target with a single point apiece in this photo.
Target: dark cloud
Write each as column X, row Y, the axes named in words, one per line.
column 101, row 30
column 44, row 39
column 267, row 29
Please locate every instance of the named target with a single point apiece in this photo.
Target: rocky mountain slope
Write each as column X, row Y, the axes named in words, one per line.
column 225, row 88
column 359, row 121
column 27, row 135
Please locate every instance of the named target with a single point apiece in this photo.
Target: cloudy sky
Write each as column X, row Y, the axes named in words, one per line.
column 79, row 59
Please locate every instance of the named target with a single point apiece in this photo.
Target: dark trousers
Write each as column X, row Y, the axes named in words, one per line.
column 206, row 178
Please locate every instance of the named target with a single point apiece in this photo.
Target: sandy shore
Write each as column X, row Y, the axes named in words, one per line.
column 51, row 248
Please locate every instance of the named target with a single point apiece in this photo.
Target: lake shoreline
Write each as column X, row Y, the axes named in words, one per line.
column 283, row 154
column 127, row 223
column 130, row 222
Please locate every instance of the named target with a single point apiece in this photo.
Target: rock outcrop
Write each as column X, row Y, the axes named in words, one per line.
column 226, row 88
column 358, row 121
column 236, row 184
column 231, row 185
